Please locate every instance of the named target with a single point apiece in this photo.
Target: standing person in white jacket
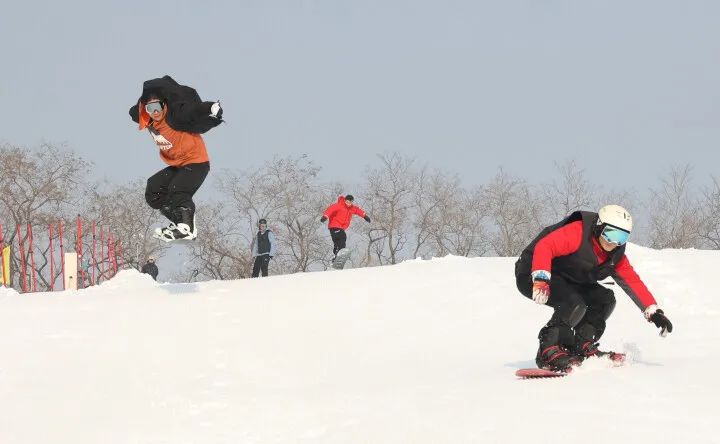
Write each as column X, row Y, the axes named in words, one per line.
column 263, row 249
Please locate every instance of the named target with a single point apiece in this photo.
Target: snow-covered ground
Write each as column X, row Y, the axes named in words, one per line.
column 421, row 352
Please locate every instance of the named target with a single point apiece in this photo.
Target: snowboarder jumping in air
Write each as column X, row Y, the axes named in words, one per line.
column 562, row 267
column 339, row 215
column 175, row 116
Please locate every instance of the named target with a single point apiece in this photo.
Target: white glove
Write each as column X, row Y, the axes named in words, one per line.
column 215, row 109
column 541, row 286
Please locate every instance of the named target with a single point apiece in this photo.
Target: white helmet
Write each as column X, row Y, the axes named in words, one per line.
column 616, row 216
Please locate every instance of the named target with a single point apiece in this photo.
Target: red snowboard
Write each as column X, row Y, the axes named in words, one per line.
column 530, row 373
column 533, row 373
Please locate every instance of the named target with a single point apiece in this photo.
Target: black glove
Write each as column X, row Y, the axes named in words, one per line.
column 662, row 322
column 367, row 219
column 323, row 219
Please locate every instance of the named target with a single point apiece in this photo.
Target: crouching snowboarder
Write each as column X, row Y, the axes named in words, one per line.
column 562, row 267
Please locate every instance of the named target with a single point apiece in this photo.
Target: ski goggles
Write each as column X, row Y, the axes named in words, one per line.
column 153, row 107
column 615, row 235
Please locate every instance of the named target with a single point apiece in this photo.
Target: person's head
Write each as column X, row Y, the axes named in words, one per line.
column 155, row 107
column 262, row 224
column 613, row 227
column 349, row 199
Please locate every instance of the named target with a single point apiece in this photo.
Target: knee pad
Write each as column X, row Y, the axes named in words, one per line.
column 573, row 313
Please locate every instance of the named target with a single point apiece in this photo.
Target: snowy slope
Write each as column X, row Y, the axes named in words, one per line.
column 421, row 352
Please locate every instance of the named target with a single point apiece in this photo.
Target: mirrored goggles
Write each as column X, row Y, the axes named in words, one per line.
column 153, row 107
column 615, row 235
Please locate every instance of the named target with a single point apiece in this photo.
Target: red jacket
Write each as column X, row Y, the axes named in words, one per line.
column 566, row 240
column 340, row 214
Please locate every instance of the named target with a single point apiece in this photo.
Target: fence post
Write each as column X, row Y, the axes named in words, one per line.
column 52, row 261
column 32, row 258
column 79, row 250
column 2, row 257
column 62, row 253
column 94, row 263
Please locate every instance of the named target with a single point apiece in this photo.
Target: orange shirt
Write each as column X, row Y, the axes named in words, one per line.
column 178, row 148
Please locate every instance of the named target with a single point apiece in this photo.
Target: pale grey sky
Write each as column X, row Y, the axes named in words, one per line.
column 628, row 88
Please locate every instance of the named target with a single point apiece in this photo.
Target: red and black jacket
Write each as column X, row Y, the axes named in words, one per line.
column 570, row 249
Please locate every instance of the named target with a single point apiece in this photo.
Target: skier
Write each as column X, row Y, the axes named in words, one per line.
column 150, row 268
column 175, row 117
column 263, row 249
column 339, row 215
column 561, row 268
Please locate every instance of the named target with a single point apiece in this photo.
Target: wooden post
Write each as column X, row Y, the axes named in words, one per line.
column 71, row 275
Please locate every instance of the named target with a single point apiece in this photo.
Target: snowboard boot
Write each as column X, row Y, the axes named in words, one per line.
column 184, row 229
column 172, row 216
column 186, row 225
column 553, row 353
column 556, row 358
column 586, row 346
column 589, row 349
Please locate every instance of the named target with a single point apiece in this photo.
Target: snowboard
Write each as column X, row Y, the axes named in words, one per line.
column 532, row 373
column 618, row 359
column 340, row 259
column 157, row 234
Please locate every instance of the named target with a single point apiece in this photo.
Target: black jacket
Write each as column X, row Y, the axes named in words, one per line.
column 151, row 269
column 186, row 111
column 581, row 267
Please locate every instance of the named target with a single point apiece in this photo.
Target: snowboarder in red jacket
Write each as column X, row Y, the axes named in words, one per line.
column 339, row 215
column 561, row 268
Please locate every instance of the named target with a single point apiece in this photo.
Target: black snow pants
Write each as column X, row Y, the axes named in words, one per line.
column 174, row 187
column 339, row 238
column 261, row 265
column 579, row 311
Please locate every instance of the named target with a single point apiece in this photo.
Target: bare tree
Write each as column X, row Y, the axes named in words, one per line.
column 223, row 251
column 287, row 193
column 570, row 191
column 514, row 213
column 122, row 210
column 674, row 221
column 39, row 186
column 710, row 216
column 466, row 234
column 388, row 193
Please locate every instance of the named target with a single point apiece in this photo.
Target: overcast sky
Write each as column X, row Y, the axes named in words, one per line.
column 628, row 88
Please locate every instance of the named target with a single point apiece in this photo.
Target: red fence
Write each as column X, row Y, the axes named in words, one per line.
column 91, row 269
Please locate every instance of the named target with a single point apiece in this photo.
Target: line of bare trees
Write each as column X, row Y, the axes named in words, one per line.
column 416, row 211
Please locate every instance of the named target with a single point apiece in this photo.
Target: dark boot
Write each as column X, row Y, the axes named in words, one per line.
column 186, row 225
column 170, row 213
column 586, row 346
column 184, row 229
column 553, row 353
column 555, row 358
